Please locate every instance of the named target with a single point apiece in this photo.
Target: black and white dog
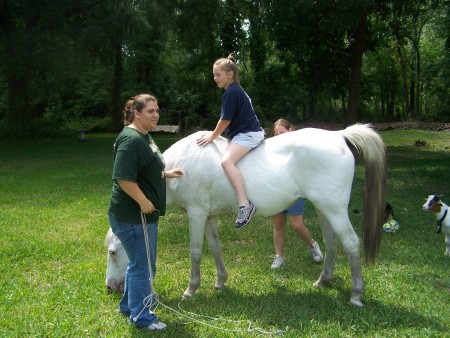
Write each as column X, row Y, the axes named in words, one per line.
column 435, row 204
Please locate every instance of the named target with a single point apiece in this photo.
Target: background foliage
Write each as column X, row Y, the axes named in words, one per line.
column 65, row 64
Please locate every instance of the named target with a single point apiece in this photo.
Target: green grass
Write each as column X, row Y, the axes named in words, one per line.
column 54, row 197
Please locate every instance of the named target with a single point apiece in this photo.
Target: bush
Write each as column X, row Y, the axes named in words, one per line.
column 92, row 124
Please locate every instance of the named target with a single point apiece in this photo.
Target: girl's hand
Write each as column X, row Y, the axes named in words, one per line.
column 204, row 140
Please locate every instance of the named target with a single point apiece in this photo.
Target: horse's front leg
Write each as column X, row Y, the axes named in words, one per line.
column 197, row 222
column 215, row 247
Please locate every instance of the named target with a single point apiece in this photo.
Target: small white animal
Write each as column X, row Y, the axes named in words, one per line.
column 117, row 263
column 435, row 204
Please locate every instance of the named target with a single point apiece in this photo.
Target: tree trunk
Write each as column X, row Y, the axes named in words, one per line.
column 358, row 50
column 117, row 118
column 412, row 99
column 17, row 68
column 19, row 101
column 416, row 51
column 403, row 66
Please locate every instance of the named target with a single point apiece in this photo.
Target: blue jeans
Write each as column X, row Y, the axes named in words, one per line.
column 138, row 291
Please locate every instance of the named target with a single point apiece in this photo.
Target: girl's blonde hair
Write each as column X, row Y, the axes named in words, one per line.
column 229, row 64
column 284, row 123
column 137, row 102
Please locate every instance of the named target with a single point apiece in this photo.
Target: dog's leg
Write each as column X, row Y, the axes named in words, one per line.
column 447, row 244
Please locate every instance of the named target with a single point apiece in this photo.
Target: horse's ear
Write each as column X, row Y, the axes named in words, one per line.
column 439, row 196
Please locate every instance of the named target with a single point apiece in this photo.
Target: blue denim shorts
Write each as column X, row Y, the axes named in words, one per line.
column 298, row 208
column 251, row 139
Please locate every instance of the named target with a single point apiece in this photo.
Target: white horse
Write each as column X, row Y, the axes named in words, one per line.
column 312, row 163
column 116, row 264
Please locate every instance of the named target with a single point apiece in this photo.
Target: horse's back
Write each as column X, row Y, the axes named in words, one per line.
column 311, row 163
column 204, row 184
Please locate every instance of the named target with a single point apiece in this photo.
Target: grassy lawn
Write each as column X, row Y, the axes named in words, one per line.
column 54, row 196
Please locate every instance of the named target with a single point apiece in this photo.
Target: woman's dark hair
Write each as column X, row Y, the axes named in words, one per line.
column 137, row 102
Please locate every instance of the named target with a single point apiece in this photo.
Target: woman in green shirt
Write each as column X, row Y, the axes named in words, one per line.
column 138, row 195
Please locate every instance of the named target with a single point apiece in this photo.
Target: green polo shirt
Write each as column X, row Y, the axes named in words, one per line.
column 137, row 158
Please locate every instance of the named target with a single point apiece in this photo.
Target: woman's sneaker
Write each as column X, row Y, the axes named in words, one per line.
column 156, row 326
column 278, row 262
column 316, row 254
column 245, row 214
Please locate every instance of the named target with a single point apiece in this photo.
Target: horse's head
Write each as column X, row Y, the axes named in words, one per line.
column 117, row 263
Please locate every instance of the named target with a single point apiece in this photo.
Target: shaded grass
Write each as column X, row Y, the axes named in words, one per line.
column 54, row 196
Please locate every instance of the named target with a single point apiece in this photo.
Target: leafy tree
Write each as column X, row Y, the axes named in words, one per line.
column 320, row 38
column 64, row 62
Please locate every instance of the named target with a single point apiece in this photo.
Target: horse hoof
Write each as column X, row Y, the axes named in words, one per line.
column 321, row 282
column 187, row 294
column 356, row 302
column 219, row 286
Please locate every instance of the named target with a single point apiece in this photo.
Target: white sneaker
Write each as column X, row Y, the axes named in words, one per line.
column 156, row 326
column 245, row 214
column 316, row 254
column 278, row 261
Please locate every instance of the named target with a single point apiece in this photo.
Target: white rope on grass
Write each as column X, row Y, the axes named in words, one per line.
column 148, row 301
column 153, row 299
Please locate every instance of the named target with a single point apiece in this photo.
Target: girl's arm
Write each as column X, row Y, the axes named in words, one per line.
column 221, row 126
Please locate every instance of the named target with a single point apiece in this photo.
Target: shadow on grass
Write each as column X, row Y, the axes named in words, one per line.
column 301, row 312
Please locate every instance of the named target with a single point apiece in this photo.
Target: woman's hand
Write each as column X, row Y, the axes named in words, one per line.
column 147, row 207
column 174, row 173
column 132, row 189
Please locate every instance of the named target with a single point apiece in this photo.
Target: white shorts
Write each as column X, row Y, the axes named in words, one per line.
column 251, row 139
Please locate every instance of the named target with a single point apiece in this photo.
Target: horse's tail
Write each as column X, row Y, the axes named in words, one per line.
column 368, row 143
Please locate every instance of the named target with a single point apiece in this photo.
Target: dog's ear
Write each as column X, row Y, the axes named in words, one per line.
column 436, row 198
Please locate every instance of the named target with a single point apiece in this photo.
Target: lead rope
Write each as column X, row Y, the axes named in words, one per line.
column 148, row 301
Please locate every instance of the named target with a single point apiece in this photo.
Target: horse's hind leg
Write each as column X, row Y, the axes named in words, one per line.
column 342, row 230
column 350, row 242
column 215, row 247
column 331, row 243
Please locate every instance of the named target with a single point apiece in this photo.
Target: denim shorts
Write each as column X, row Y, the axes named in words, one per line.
column 298, row 208
column 251, row 139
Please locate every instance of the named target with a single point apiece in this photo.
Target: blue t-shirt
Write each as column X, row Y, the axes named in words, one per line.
column 237, row 107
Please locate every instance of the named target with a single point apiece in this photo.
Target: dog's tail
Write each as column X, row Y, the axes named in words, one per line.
column 388, row 213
